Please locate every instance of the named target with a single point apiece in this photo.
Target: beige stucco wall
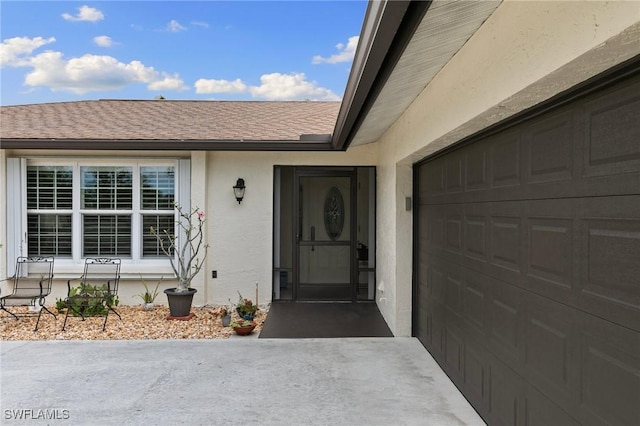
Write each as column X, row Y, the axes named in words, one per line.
column 241, row 235
column 526, row 52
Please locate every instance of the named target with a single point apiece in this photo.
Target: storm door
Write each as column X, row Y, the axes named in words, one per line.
column 324, row 224
column 324, row 236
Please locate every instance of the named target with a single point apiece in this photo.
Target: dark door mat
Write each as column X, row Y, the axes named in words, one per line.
column 318, row 320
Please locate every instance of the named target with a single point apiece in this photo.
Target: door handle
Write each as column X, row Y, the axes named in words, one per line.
column 313, row 237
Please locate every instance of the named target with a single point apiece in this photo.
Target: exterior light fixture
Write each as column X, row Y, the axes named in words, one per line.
column 238, row 190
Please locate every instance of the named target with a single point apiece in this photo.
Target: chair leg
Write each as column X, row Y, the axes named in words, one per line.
column 46, row 309
column 10, row 313
column 115, row 312
column 106, row 316
column 110, row 308
column 42, row 307
column 38, row 320
column 65, row 318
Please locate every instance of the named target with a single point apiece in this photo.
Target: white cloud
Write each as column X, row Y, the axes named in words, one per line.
column 275, row 86
column 95, row 73
column 174, row 27
column 103, row 41
column 16, row 51
column 345, row 53
column 168, row 82
column 200, row 24
column 220, row 86
column 85, row 13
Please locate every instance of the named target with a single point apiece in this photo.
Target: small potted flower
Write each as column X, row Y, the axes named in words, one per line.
column 225, row 315
column 245, row 308
column 243, row 327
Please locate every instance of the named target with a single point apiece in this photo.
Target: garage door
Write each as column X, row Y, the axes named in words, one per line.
column 527, row 270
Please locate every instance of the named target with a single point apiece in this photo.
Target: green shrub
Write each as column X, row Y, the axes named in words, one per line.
column 87, row 300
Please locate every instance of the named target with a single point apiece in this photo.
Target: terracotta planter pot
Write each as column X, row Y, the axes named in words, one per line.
column 244, row 330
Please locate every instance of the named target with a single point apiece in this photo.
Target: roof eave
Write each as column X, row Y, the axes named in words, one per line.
column 387, row 29
column 166, row 145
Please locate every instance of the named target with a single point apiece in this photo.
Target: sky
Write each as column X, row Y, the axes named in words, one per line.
column 59, row 51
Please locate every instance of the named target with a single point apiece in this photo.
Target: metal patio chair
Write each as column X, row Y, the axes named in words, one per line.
column 32, row 283
column 95, row 292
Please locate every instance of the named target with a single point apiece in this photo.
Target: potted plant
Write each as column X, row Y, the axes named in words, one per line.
column 225, row 315
column 245, row 308
column 148, row 296
column 182, row 246
column 243, row 327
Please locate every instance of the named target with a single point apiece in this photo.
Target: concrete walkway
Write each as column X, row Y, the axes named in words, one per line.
column 240, row 381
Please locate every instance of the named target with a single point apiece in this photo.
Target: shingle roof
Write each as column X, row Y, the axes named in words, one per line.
column 150, row 120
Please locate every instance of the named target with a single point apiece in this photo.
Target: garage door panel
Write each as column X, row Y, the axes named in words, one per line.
column 550, row 251
column 551, row 348
column 541, row 411
column 505, row 325
column 421, row 328
column 475, row 375
column 475, row 234
column 453, row 296
column 505, row 239
column 591, row 149
column 610, row 372
column 533, row 257
column 436, row 229
column 431, row 181
column 438, row 284
column 612, row 133
column 505, row 161
column 548, row 246
column 610, row 253
column 548, row 149
column 552, row 259
column 454, row 231
column 454, row 348
column 436, row 315
column 453, row 174
column 476, row 168
column 612, row 246
column 475, row 297
column 505, row 395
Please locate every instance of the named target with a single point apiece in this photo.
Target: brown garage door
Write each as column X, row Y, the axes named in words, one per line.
column 527, row 265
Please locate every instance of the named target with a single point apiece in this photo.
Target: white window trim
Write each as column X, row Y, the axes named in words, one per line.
column 71, row 267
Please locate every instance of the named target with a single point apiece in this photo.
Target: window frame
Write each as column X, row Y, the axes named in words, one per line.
column 64, row 265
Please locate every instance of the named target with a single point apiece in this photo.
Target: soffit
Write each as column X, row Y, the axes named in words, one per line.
column 444, row 29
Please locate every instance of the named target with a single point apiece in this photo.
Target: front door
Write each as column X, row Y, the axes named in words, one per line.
column 324, row 240
column 324, row 234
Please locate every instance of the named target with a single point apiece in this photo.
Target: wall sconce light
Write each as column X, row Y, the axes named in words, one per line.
column 238, row 190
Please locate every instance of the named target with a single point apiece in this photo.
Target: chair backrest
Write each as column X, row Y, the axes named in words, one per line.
column 30, row 272
column 102, row 271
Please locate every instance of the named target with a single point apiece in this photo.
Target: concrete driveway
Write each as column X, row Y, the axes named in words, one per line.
column 239, row 381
